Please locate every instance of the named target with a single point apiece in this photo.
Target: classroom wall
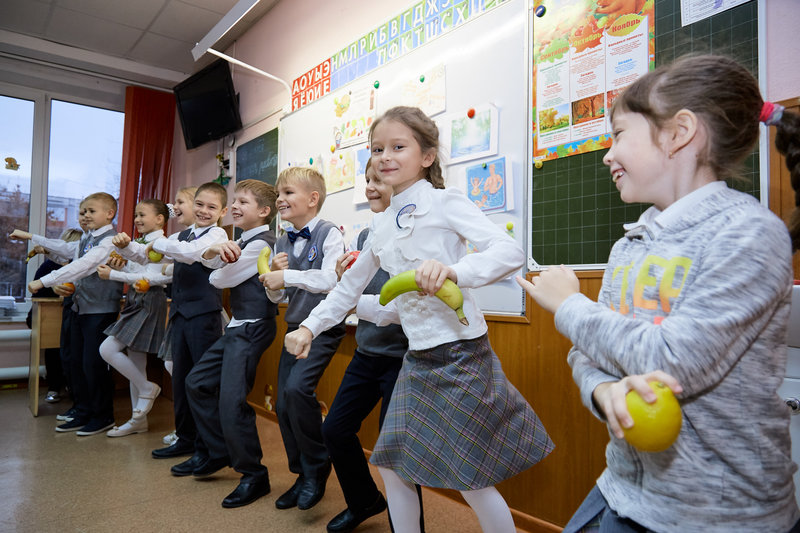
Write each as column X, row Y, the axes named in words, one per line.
column 783, row 49
column 294, row 37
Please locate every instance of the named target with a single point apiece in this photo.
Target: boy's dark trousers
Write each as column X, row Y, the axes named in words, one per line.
column 366, row 381
column 217, row 389
column 92, row 383
column 191, row 338
column 297, row 407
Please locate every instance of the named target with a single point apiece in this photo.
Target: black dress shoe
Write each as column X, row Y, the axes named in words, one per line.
column 348, row 520
column 246, row 493
column 288, row 499
column 313, row 489
column 188, row 467
column 175, row 450
column 211, row 466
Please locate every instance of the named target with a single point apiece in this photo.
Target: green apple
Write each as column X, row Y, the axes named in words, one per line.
column 154, row 256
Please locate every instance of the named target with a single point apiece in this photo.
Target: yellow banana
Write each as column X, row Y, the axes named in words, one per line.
column 450, row 294
column 263, row 260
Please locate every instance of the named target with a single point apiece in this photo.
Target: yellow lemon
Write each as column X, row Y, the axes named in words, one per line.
column 655, row 425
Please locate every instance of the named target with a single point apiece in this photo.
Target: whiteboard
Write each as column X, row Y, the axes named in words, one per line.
column 485, row 63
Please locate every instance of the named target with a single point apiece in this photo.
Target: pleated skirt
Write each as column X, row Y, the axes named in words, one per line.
column 142, row 321
column 455, row 421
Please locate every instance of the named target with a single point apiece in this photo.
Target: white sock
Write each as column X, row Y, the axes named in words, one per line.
column 492, row 510
column 403, row 502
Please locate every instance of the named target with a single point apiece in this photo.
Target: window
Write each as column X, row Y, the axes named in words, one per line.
column 85, row 157
column 43, row 196
column 16, row 152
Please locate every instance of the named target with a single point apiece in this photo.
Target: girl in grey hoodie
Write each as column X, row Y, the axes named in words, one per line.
column 696, row 295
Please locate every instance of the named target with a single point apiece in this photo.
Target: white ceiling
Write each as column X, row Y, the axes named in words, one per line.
column 144, row 41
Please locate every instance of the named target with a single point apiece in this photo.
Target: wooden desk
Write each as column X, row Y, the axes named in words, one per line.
column 45, row 333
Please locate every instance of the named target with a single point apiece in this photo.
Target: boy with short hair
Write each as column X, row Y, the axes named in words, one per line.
column 97, row 302
column 218, row 385
column 194, row 314
column 305, row 266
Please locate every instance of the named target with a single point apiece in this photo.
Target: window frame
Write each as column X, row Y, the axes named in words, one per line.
column 40, row 158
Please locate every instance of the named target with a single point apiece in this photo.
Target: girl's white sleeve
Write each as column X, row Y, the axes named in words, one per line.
column 344, row 297
column 498, row 256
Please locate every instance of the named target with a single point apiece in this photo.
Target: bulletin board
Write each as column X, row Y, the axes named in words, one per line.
column 576, row 214
column 483, row 63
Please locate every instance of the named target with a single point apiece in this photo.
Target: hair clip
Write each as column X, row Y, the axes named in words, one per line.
column 771, row 113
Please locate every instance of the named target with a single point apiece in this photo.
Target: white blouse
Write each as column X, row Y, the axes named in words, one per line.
column 426, row 223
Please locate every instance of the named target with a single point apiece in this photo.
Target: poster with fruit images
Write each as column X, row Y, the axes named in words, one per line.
column 585, row 53
column 353, row 110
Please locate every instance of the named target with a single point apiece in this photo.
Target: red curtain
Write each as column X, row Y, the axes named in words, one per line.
column 146, row 152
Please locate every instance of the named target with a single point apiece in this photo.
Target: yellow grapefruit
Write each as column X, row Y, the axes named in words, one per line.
column 655, row 425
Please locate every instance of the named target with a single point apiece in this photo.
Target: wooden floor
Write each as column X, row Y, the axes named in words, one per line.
column 61, row 482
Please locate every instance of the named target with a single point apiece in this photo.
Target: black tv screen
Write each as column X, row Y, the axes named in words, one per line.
column 207, row 105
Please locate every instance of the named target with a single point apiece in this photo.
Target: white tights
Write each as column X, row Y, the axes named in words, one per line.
column 168, row 366
column 133, row 366
column 492, row 510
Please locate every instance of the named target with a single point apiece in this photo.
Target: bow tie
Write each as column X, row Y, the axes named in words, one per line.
column 293, row 235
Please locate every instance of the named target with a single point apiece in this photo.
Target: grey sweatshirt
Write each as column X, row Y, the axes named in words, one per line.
column 705, row 299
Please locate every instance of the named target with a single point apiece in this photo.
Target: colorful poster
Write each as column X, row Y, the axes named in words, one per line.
column 340, row 171
column 694, row 10
column 489, row 186
column 427, row 92
column 354, row 110
column 469, row 134
column 585, row 52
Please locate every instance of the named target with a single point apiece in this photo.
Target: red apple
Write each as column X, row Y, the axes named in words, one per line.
column 354, row 253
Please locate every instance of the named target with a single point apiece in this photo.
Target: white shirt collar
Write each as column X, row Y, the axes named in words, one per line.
column 254, row 231
column 153, row 235
column 311, row 224
column 100, row 231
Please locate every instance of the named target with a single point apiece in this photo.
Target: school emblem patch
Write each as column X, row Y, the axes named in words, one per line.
column 312, row 253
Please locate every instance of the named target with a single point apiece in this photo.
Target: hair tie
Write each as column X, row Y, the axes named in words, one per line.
column 771, row 113
column 171, row 209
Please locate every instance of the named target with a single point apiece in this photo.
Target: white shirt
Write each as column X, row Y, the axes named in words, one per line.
column 60, row 251
column 313, row 280
column 401, row 238
column 134, row 271
column 84, row 266
column 229, row 275
column 190, row 251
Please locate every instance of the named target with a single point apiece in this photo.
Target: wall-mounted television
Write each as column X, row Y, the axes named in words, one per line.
column 208, row 105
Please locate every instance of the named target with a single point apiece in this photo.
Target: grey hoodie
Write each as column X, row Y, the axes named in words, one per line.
column 705, row 299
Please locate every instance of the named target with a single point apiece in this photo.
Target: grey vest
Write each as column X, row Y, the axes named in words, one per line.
column 192, row 294
column 249, row 299
column 302, row 302
column 93, row 295
column 372, row 340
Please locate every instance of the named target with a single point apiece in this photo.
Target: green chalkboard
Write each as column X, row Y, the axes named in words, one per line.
column 576, row 212
column 258, row 159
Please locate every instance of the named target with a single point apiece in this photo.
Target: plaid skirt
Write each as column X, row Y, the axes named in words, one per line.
column 455, row 421
column 141, row 322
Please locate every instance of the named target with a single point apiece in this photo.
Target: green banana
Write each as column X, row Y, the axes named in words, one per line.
column 450, row 294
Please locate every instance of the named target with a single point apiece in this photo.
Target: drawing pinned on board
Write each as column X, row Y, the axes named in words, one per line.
column 470, row 138
column 490, row 189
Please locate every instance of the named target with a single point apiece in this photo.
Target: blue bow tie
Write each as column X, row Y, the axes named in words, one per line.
column 293, row 235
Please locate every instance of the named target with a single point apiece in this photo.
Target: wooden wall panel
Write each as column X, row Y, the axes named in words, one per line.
column 781, row 194
column 534, row 356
